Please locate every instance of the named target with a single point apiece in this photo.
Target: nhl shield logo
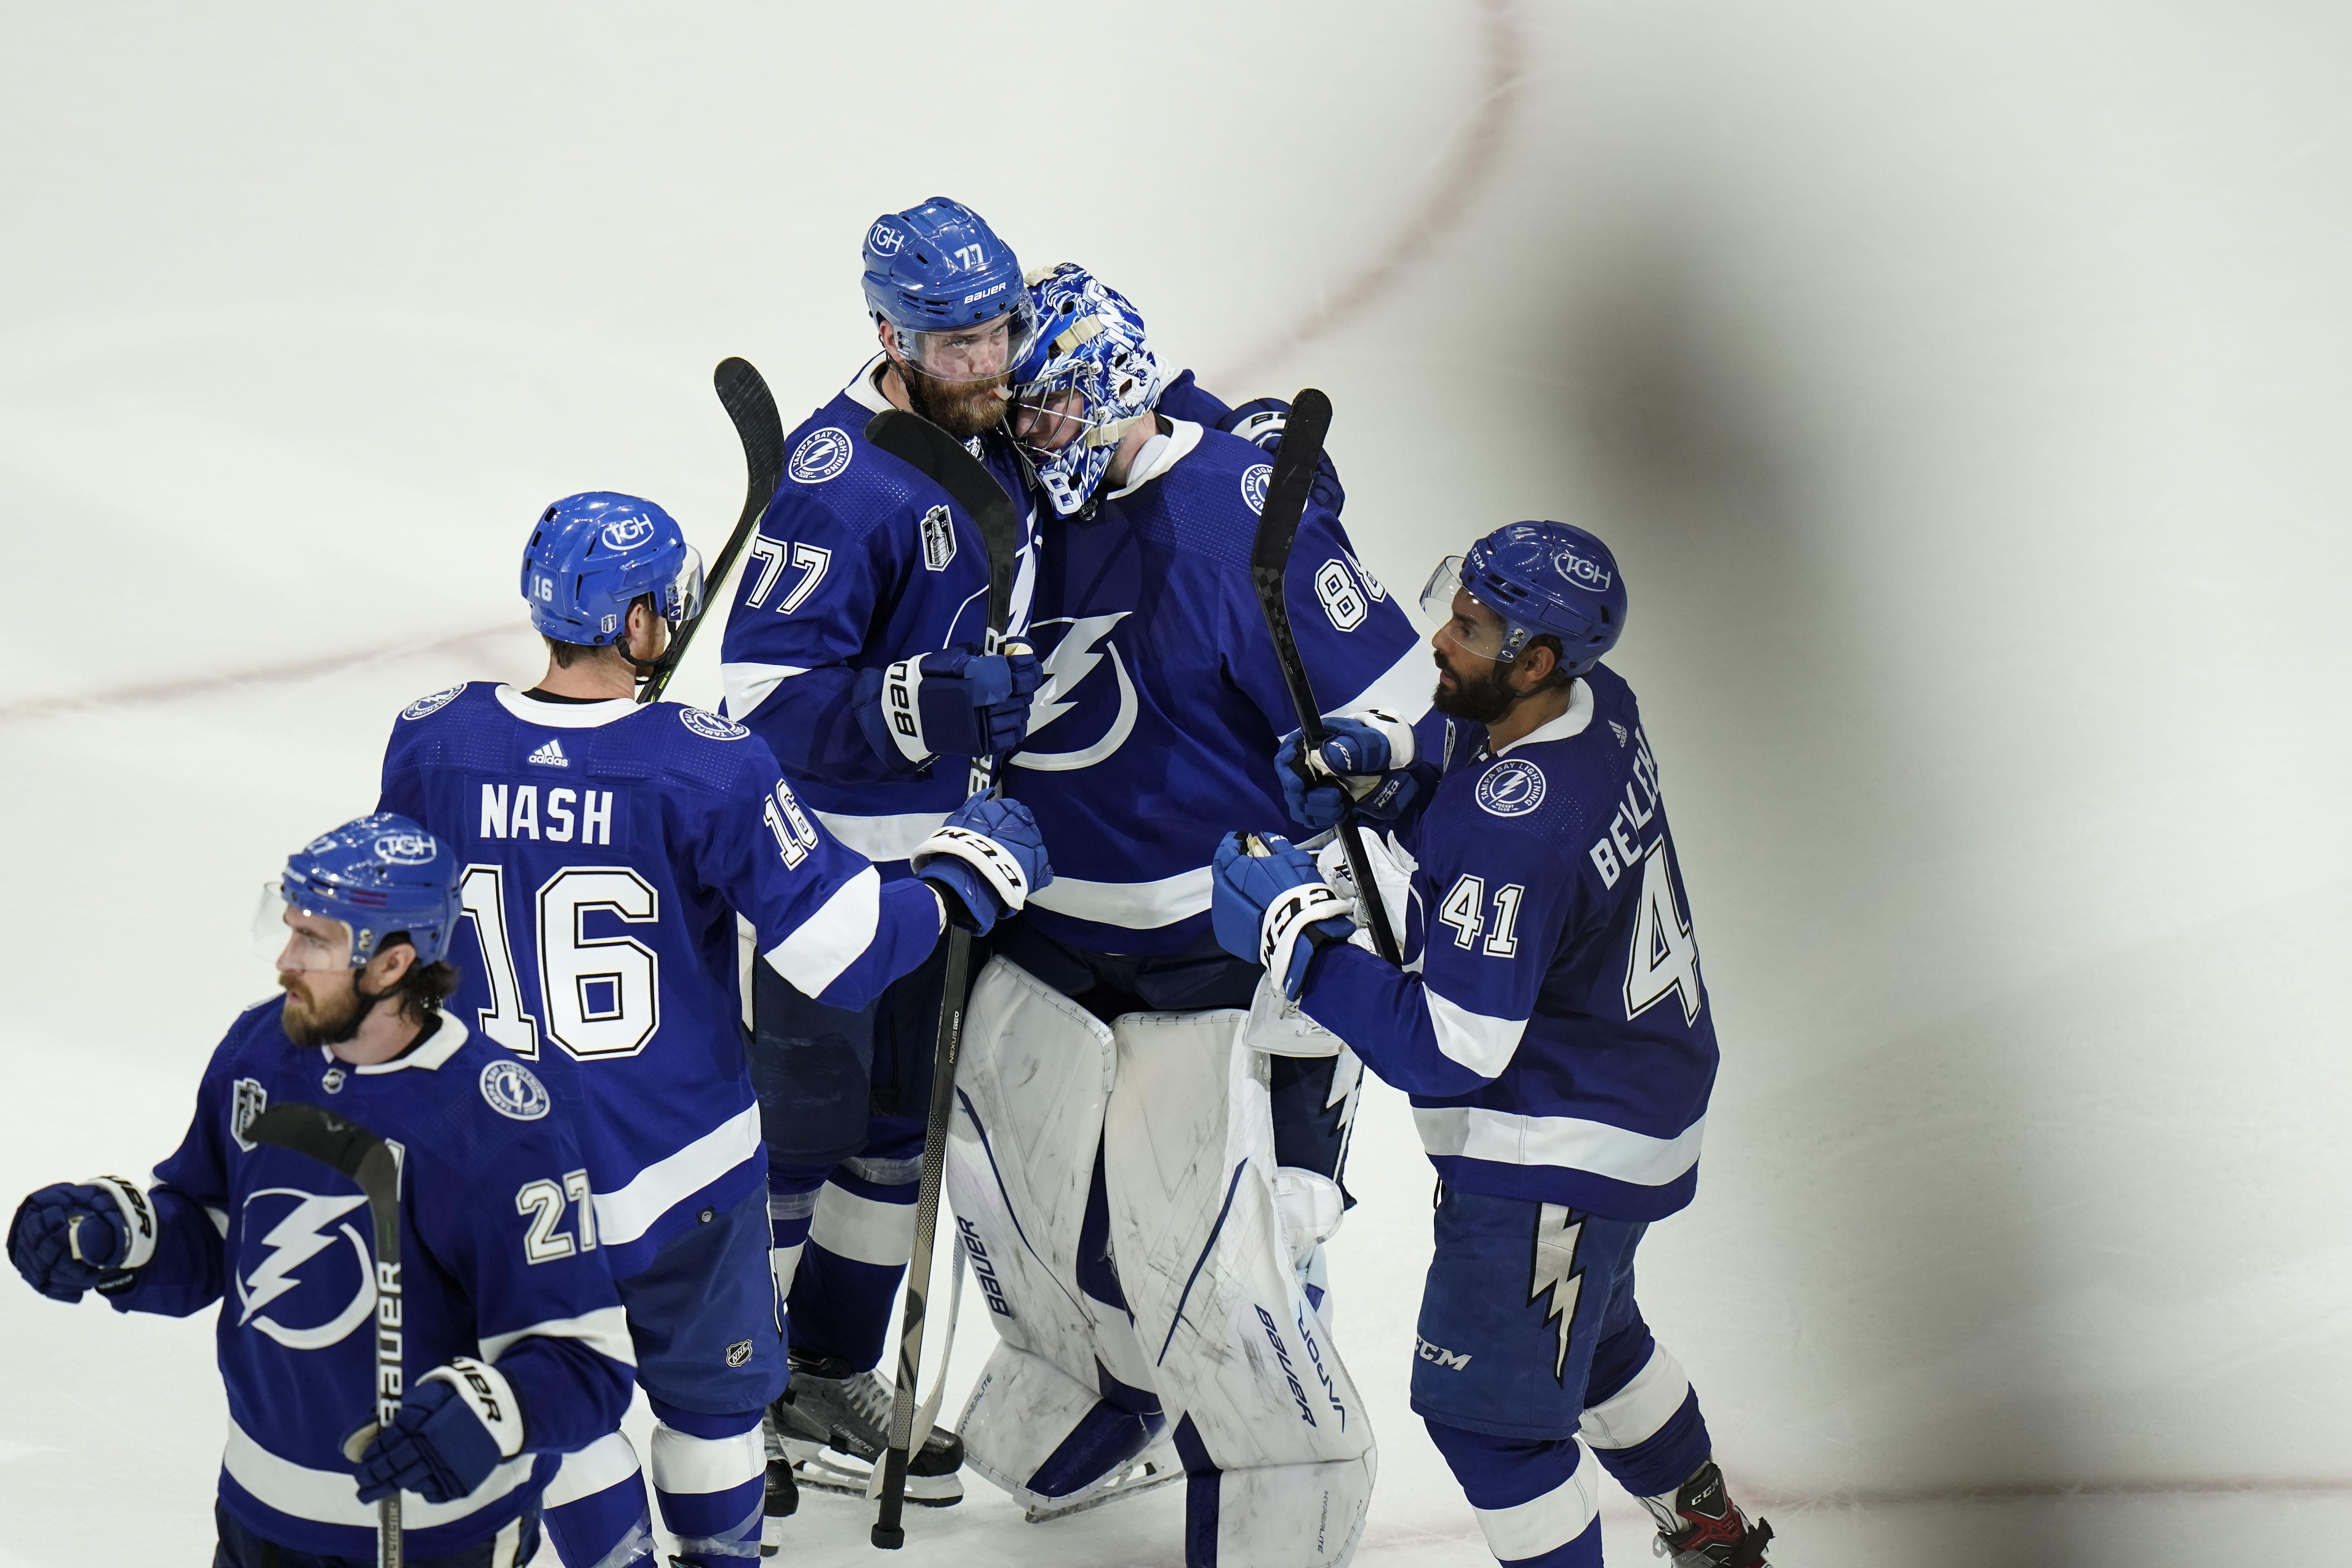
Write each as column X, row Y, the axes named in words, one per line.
column 251, row 1100
column 739, row 1353
column 938, row 539
column 1512, row 787
column 509, row 1090
column 1255, row 480
column 821, row 456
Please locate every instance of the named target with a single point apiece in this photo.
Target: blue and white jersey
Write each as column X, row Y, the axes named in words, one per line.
column 860, row 562
column 1550, row 1022
column 499, row 1261
column 1156, row 728
column 609, row 848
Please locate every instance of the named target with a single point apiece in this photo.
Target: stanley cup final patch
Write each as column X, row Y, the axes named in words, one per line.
column 939, row 538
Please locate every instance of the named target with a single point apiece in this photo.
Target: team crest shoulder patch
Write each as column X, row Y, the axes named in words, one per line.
column 939, row 538
column 426, row 707
column 250, row 1100
column 513, row 1092
column 1512, row 787
column 821, row 456
column 1255, row 479
column 711, row 726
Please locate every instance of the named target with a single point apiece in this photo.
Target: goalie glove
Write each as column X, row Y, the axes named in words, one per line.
column 81, row 1235
column 1270, row 905
column 1367, row 754
column 990, row 855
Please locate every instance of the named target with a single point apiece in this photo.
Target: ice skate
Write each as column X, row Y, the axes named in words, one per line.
column 1704, row 1529
column 834, row 1421
column 781, row 1499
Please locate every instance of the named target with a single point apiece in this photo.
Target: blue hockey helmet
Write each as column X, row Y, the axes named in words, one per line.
column 949, row 288
column 592, row 554
column 1085, row 381
column 1541, row 579
column 372, row 877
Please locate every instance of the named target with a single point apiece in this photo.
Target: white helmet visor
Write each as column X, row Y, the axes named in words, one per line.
column 1465, row 622
column 980, row 353
column 298, row 940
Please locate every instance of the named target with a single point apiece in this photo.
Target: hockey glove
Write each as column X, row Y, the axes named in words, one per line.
column 1367, row 755
column 989, row 856
column 1270, row 905
column 77, row 1237
column 1260, row 422
column 955, row 703
column 462, row 1419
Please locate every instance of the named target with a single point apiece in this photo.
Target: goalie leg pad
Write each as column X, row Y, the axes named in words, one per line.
column 1049, row 1440
column 1023, row 1172
column 1208, row 1250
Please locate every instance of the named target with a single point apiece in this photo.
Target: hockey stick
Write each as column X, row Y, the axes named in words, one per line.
column 918, row 442
column 761, row 428
column 1277, row 528
column 368, row 1160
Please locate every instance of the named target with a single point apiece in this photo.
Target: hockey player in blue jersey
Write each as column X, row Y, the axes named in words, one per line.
column 1154, row 732
column 854, row 648
column 612, row 849
column 1551, row 1027
column 512, row 1342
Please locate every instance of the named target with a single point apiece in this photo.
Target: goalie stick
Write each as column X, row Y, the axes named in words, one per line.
column 752, row 407
column 1277, row 528
column 368, row 1160
column 942, row 459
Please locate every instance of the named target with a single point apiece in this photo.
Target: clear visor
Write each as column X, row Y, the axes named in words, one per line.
column 1463, row 621
column 681, row 597
column 982, row 353
column 298, row 940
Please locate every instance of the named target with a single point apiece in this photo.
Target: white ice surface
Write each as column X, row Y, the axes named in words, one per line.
column 1961, row 386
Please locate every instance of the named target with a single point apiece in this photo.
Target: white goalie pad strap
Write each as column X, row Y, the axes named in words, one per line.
column 1031, row 1087
column 984, row 855
column 488, row 1395
column 1287, row 919
column 138, row 1219
column 1206, row 1257
column 1392, row 866
column 1280, row 1028
column 1310, row 1205
column 902, row 710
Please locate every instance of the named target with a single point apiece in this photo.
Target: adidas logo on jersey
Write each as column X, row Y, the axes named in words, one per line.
column 1621, row 730
column 550, row 755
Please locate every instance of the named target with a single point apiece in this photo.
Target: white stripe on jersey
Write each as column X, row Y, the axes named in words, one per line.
column 1474, row 1132
column 328, row 1497
column 605, row 1330
column 882, row 839
column 832, row 938
column 749, row 685
column 1138, row 906
column 1402, row 689
column 628, row 1213
column 1475, row 1041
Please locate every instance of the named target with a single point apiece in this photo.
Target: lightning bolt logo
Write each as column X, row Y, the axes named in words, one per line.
column 294, row 1241
column 1557, row 1230
column 1073, row 660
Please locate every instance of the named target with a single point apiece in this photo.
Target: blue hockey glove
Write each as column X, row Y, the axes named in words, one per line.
column 459, row 1423
column 78, row 1236
column 1364, row 753
column 990, row 855
column 1270, row 905
column 955, row 703
column 1260, row 421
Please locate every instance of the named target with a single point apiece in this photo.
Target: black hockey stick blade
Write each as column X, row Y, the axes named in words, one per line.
column 944, row 460
column 1277, row 531
column 744, row 393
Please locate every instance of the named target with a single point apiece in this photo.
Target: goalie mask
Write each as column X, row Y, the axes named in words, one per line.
column 1085, row 381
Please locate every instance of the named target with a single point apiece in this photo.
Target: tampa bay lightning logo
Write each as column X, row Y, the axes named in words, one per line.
column 628, row 533
column 1255, row 480
column 512, row 1091
column 1512, row 787
column 821, row 455
column 885, row 240
column 424, row 706
column 405, row 848
column 1087, row 737
column 290, row 1293
column 711, row 726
